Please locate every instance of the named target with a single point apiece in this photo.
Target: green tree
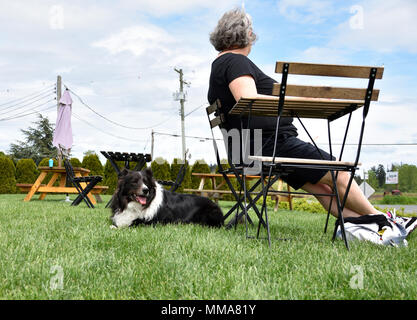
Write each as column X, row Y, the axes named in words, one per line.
column 26, row 171
column 161, row 169
column 175, row 168
column 7, row 175
column 92, row 163
column 380, row 175
column 407, row 178
column 37, row 143
column 110, row 178
column 200, row 166
column 76, row 163
column 372, row 179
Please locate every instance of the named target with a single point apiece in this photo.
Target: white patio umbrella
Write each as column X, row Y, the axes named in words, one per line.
column 63, row 130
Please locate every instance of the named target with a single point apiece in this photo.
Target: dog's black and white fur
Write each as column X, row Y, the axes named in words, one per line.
column 139, row 199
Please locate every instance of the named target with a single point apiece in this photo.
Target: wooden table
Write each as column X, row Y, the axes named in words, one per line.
column 58, row 174
column 216, row 188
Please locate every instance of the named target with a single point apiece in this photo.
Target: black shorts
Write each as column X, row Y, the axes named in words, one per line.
column 292, row 147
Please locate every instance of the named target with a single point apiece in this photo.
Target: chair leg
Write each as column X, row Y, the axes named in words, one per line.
column 340, row 220
column 328, row 214
column 252, row 203
column 109, row 203
column 80, row 197
column 83, row 194
column 265, row 189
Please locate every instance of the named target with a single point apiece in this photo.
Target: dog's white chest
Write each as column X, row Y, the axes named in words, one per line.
column 130, row 214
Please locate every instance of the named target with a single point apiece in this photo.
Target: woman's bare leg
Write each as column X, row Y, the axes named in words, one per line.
column 356, row 203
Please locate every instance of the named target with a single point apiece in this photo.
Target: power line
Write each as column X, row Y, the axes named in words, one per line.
column 28, row 97
column 204, row 104
column 114, row 122
column 27, row 104
column 27, row 114
column 179, row 136
column 105, row 132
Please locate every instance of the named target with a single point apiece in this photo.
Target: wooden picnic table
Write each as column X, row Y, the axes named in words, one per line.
column 58, row 174
column 216, row 188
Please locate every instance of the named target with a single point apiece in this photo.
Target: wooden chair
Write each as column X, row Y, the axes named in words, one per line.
column 319, row 102
column 83, row 184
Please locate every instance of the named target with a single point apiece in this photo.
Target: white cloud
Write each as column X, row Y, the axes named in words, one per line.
column 387, row 27
column 137, row 40
column 166, row 7
column 306, row 11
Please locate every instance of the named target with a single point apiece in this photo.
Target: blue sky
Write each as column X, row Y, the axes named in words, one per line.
column 119, row 57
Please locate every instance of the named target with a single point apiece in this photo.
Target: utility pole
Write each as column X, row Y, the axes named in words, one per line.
column 58, row 90
column 181, row 98
column 152, row 144
column 58, row 97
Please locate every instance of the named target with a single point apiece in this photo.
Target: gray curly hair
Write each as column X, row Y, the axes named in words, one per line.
column 234, row 30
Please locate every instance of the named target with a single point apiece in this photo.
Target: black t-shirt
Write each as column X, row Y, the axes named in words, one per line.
column 224, row 70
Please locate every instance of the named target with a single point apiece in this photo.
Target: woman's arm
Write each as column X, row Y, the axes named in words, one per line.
column 244, row 86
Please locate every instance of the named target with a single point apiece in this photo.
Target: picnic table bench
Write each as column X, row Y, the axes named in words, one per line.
column 59, row 174
column 216, row 192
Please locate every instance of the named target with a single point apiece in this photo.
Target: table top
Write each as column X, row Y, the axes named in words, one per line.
column 62, row 169
column 127, row 156
column 318, row 108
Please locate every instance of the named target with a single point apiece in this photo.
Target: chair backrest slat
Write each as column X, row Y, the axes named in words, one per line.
column 212, row 108
column 325, row 92
column 328, row 70
column 216, row 122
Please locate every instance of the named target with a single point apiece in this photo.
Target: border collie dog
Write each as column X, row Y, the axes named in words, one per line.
column 139, row 199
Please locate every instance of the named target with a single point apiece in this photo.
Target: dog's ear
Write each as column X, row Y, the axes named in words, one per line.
column 123, row 173
column 148, row 173
column 119, row 201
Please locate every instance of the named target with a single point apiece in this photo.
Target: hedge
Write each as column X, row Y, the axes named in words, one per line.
column 76, row 163
column 161, row 169
column 200, row 166
column 26, row 171
column 92, row 163
column 175, row 168
column 7, row 175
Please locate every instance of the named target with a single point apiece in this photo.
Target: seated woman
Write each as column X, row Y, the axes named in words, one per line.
column 234, row 75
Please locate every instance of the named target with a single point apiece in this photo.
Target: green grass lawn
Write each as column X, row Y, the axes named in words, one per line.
column 44, row 242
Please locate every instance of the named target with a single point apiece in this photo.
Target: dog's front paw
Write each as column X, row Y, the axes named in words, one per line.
column 113, row 226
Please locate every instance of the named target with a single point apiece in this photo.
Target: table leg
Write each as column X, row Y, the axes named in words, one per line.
column 50, row 184
column 35, row 186
column 63, row 180
column 201, row 186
